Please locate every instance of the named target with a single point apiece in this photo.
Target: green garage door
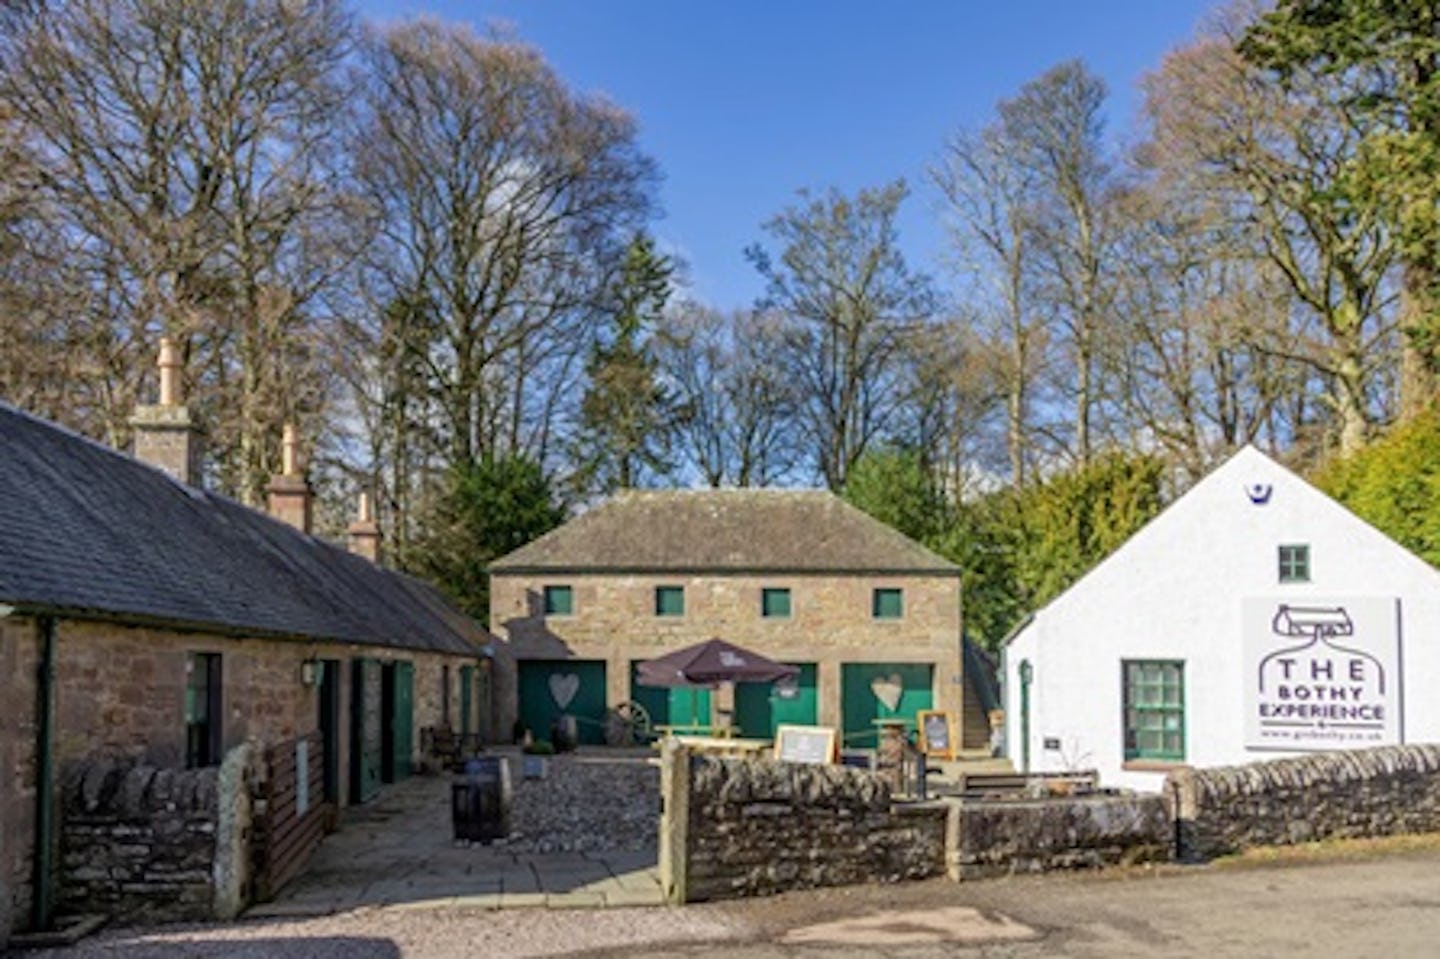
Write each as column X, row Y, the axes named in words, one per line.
column 551, row 688
column 677, row 706
column 760, row 707
column 871, row 691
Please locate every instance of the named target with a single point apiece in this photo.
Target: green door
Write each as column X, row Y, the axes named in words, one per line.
column 760, row 707
column 871, row 691
column 467, row 680
column 675, row 706
column 399, row 722
column 552, row 688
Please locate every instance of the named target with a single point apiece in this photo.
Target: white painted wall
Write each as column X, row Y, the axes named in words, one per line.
column 1176, row 590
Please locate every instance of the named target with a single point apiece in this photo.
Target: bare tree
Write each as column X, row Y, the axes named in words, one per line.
column 852, row 304
column 737, row 408
column 501, row 203
column 1277, row 160
column 184, row 151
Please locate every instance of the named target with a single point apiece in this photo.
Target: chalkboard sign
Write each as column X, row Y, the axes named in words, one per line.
column 935, row 739
column 814, row 745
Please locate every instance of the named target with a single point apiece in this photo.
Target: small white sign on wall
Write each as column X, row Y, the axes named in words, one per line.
column 1322, row 673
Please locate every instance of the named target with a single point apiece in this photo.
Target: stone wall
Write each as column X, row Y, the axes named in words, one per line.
column 735, row 828
column 141, row 842
column 19, row 669
column 1367, row 792
column 830, row 623
column 995, row 838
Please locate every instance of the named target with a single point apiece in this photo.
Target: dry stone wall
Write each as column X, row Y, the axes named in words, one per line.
column 998, row 838
column 1368, row 792
column 758, row 827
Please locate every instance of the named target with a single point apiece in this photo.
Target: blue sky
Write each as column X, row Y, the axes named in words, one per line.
column 742, row 103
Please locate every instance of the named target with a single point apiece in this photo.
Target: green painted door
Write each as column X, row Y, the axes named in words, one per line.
column 677, row 706
column 551, row 688
column 403, row 721
column 871, row 691
column 760, row 707
column 467, row 680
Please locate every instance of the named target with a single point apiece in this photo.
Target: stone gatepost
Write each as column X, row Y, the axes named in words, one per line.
column 674, row 821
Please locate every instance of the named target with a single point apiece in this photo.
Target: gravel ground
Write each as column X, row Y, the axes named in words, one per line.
column 588, row 803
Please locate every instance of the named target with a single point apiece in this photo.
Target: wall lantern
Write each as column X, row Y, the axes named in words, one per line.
column 309, row 672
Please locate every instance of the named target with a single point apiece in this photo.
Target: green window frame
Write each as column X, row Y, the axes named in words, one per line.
column 775, row 602
column 1154, row 716
column 559, row 600
column 1295, row 563
column 887, row 603
column 669, row 600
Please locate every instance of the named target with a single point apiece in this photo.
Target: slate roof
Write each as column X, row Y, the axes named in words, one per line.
column 726, row 531
column 89, row 532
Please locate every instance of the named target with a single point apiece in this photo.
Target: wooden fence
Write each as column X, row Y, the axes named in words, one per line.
column 293, row 821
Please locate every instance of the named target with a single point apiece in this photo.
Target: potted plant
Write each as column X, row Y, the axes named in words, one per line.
column 535, row 763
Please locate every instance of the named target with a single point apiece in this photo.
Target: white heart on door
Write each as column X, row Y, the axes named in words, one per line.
column 563, row 687
column 887, row 689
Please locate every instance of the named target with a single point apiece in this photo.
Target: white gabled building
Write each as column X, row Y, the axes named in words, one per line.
column 1255, row 617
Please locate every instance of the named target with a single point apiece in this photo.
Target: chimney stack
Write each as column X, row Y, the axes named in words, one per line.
column 165, row 436
column 365, row 532
column 290, row 498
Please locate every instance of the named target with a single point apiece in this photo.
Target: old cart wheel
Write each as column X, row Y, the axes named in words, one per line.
column 627, row 724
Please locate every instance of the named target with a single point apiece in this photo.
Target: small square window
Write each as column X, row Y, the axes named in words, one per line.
column 559, row 601
column 887, row 604
column 669, row 600
column 1295, row 564
column 775, row 603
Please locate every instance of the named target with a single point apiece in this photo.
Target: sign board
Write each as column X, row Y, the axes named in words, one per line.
column 936, row 739
column 1322, row 673
column 814, row 745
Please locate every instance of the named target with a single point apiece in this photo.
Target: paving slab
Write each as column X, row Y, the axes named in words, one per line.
column 574, row 900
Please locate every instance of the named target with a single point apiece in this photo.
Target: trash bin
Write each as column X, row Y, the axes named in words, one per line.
column 480, row 800
column 564, row 733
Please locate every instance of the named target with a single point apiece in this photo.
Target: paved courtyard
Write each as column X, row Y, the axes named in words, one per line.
column 599, row 808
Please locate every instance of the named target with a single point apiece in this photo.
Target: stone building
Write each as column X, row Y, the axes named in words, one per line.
column 871, row 618
column 144, row 619
column 1254, row 618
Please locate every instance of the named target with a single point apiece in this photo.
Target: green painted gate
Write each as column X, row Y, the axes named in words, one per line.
column 553, row 687
column 760, row 707
column 467, row 681
column 868, row 689
column 674, row 706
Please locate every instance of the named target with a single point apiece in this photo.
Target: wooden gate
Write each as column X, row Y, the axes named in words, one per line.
column 293, row 819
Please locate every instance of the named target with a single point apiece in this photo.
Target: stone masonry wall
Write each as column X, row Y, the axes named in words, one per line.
column 1368, row 792
column 760, row 827
column 831, row 623
column 138, row 841
column 1000, row 838
column 19, row 666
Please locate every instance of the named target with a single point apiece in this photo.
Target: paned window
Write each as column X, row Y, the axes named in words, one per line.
column 1154, row 709
column 559, row 601
column 1295, row 564
column 775, row 603
column 887, row 603
column 203, row 740
column 669, row 600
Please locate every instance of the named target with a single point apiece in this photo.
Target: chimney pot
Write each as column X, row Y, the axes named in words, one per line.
column 170, row 388
column 290, row 451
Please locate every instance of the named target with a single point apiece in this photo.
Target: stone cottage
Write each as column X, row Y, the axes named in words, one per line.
column 1254, row 618
column 870, row 618
column 145, row 620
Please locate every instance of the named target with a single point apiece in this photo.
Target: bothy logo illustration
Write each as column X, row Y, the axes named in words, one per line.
column 1321, row 675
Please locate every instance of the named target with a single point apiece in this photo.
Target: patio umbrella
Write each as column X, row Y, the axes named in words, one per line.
column 710, row 663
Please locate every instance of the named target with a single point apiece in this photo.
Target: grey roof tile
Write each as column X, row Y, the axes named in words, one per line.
column 87, row 530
